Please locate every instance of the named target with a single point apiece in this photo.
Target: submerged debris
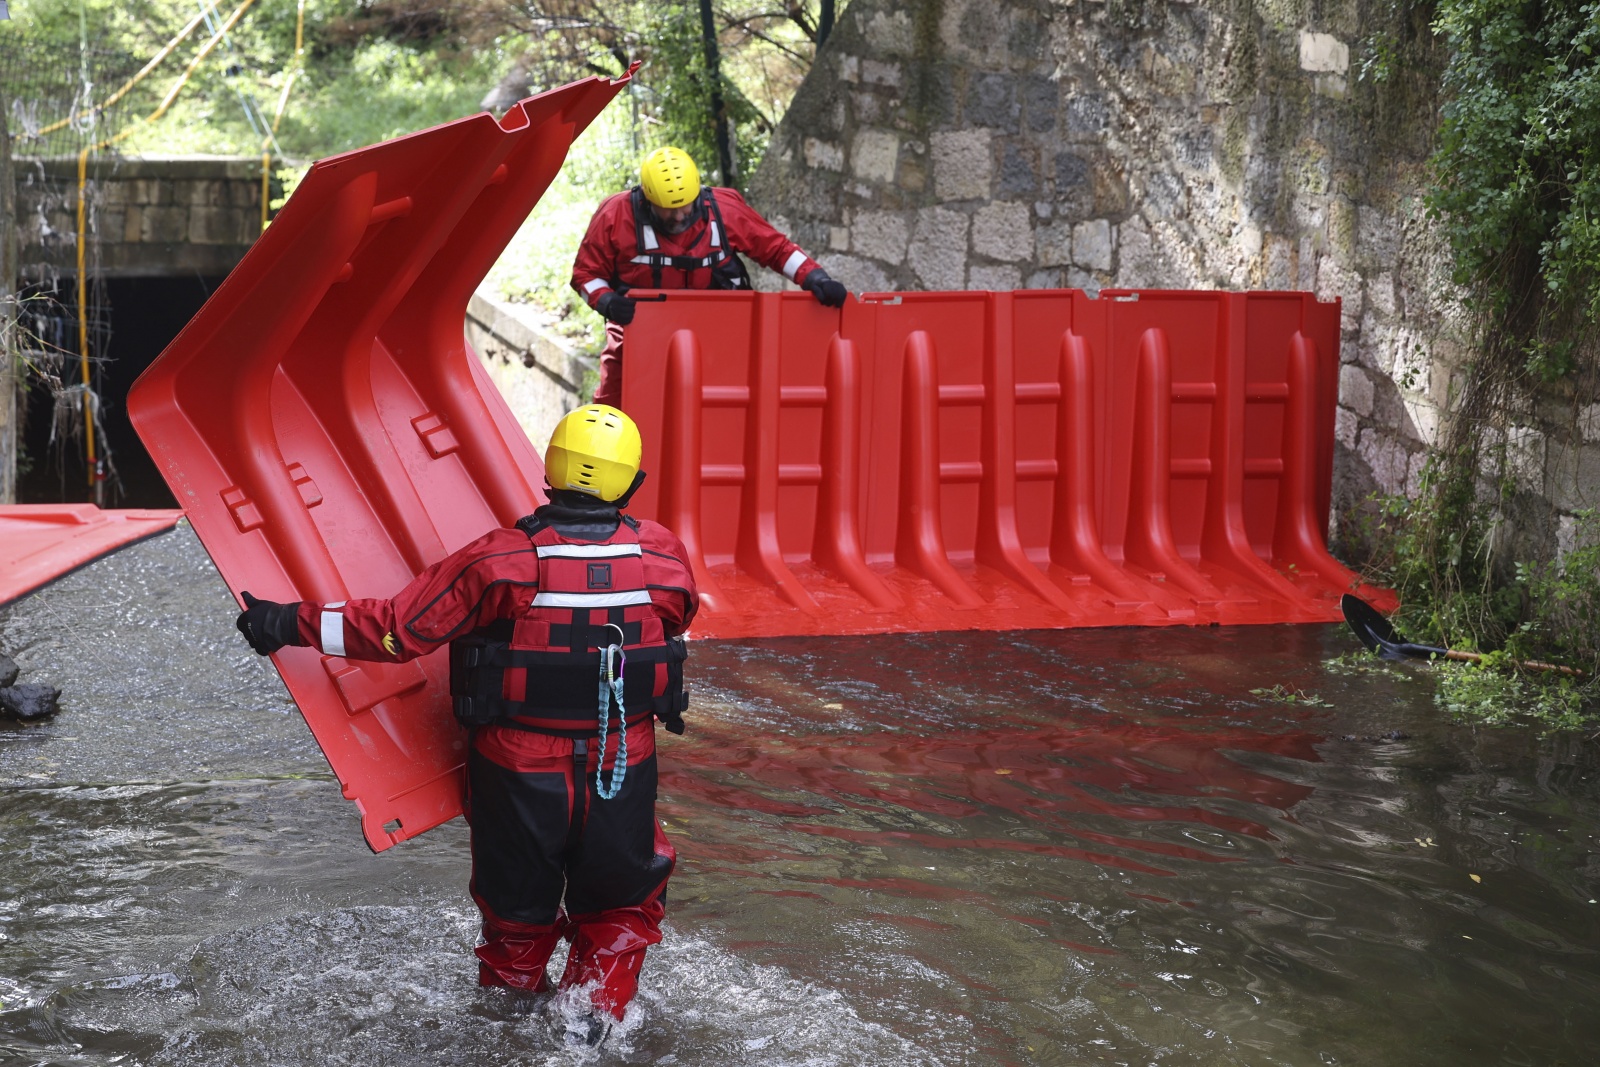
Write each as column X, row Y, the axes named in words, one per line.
column 29, row 702
column 26, row 702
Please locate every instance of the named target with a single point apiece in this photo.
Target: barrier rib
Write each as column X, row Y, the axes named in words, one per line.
column 758, row 551
column 344, row 404
column 399, row 247
column 837, row 537
column 452, row 389
column 998, row 543
column 1225, row 539
column 681, row 459
column 262, row 496
column 1149, row 537
column 1298, row 541
column 508, row 181
column 919, row 544
column 1075, row 543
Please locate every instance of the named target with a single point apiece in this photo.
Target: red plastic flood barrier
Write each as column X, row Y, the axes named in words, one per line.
column 938, row 461
column 910, row 462
column 330, row 434
column 41, row 542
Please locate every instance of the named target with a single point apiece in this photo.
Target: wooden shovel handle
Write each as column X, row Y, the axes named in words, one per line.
column 1523, row 664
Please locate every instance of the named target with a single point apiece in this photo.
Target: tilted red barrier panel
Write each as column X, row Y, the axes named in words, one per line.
column 330, row 435
column 933, row 461
column 41, row 542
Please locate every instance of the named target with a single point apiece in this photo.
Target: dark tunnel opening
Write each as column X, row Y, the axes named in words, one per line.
column 145, row 314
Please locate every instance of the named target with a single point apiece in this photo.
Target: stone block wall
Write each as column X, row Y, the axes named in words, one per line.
column 150, row 215
column 1000, row 144
column 8, row 355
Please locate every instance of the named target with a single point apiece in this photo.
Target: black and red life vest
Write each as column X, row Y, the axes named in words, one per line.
column 541, row 671
column 727, row 269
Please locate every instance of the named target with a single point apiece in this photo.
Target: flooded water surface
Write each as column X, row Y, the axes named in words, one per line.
column 1072, row 847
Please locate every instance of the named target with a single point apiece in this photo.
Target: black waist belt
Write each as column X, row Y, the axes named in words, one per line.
column 562, row 690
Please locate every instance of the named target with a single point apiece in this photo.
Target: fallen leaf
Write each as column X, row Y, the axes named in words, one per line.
column 1475, row 877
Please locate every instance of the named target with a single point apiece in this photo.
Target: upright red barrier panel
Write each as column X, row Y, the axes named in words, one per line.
column 329, row 434
column 928, row 461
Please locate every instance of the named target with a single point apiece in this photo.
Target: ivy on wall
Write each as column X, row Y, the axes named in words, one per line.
column 1518, row 169
column 1516, row 191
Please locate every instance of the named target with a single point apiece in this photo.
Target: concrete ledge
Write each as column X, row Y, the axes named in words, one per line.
column 540, row 374
column 175, row 167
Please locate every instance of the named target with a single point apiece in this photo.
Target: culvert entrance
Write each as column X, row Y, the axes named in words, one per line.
column 145, row 314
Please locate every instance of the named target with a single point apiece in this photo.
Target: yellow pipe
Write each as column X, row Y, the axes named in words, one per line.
column 205, row 50
column 266, row 171
column 266, row 142
column 83, row 316
column 283, row 99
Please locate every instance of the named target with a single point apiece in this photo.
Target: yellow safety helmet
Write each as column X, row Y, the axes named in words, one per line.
column 669, row 178
column 593, row 450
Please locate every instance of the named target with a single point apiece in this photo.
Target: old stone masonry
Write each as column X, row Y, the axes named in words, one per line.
column 999, row 144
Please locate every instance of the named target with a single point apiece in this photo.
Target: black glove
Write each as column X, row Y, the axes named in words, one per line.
column 269, row 626
column 616, row 307
column 829, row 293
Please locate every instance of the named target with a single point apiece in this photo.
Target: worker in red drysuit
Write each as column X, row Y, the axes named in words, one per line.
column 670, row 233
column 561, row 628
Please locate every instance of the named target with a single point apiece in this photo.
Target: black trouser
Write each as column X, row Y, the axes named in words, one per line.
column 540, row 832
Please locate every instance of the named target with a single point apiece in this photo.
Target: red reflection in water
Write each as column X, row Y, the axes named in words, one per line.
column 1098, row 950
column 1163, row 900
column 901, row 837
column 912, row 920
column 1070, row 780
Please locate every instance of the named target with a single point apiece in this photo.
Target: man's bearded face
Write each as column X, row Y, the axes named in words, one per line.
column 674, row 220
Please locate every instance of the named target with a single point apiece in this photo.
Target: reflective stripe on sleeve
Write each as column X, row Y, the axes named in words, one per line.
column 792, row 265
column 591, row 600
column 716, row 235
column 589, row 287
column 333, row 629
column 587, row 551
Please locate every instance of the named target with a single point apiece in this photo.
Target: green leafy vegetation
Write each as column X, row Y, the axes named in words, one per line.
column 1518, row 174
column 374, row 69
column 1493, row 694
column 1516, row 190
column 351, row 86
column 1542, row 611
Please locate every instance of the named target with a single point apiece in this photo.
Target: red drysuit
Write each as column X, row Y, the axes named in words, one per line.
column 540, row 831
column 618, row 237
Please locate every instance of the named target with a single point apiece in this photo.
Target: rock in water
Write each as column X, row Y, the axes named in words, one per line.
column 8, row 671
column 29, row 702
